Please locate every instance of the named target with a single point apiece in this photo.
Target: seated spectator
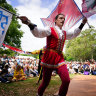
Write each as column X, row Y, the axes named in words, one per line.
column 19, row 74
column 4, row 75
column 12, row 69
column 26, row 70
column 15, row 63
column 76, row 67
column 81, row 69
column 92, row 66
column 32, row 71
column 36, row 70
column 1, row 65
column 71, row 70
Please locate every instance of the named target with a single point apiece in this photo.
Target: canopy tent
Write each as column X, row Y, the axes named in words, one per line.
column 25, row 57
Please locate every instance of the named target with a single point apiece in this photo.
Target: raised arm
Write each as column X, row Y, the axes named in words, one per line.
column 37, row 32
column 71, row 35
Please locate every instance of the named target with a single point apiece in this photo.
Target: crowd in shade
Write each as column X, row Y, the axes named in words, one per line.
column 15, row 69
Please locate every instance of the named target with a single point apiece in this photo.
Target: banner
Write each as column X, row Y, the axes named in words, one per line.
column 69, row 9
column 5, row 19
column 88, row 7
column 13, row 48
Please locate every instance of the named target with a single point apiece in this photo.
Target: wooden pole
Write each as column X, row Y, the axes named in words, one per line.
column 88, row 24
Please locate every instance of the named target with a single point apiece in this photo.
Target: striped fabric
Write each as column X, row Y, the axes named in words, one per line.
column 13, row 48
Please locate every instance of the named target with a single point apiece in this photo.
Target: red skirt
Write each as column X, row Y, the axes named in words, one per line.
column 52, row 59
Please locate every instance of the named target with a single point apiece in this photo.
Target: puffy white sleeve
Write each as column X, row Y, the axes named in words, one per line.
column 41, row 32
column 71, row 35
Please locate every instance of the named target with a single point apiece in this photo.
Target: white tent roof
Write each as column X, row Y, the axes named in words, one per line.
column 26, row 57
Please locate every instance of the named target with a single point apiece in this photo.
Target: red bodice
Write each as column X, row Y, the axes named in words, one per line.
column 53, row 59
column 54, row 41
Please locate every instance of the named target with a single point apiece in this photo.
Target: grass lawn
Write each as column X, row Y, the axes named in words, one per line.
column 29, row 87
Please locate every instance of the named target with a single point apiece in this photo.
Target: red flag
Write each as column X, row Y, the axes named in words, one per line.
column 69, row 9
column 88, row 7
column 13, row 48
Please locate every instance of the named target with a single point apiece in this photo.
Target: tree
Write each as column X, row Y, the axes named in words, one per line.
column 84, row 46
column 14, row 33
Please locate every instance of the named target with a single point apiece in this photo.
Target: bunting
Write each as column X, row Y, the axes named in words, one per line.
column 13, row 48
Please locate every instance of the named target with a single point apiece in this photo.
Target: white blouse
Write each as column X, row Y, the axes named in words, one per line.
column 37, row 32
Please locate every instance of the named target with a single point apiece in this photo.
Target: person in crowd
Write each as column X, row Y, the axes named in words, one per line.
column 40, row 69
column 18, row 74
column 26, row 70
column 71, row 70
column 53, row 57
column 92, row 66
column 1, row 65
column 32, row 71
column 12, row 69
column 5, row 77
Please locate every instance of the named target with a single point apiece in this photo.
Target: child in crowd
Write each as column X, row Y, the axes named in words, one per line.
column 18, row 74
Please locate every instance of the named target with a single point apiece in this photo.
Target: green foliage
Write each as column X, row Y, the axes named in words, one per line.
column 2, row 1
column 36, row 56
column 82, row 47
column 14, row 34
column 8, row 52
column 68, row 58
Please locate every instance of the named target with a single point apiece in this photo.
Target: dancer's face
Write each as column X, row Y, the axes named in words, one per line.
column 60, row 21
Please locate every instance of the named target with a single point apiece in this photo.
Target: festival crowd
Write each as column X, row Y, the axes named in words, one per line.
column 16, row 69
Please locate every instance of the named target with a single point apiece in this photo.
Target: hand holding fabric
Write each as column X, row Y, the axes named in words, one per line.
column 24, row 20
column 84, row 20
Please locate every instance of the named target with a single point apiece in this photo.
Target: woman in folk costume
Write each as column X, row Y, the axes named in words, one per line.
column 40, row 69
column 53, row 57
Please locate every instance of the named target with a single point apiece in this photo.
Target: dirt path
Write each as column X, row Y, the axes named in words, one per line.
column 82, row 85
